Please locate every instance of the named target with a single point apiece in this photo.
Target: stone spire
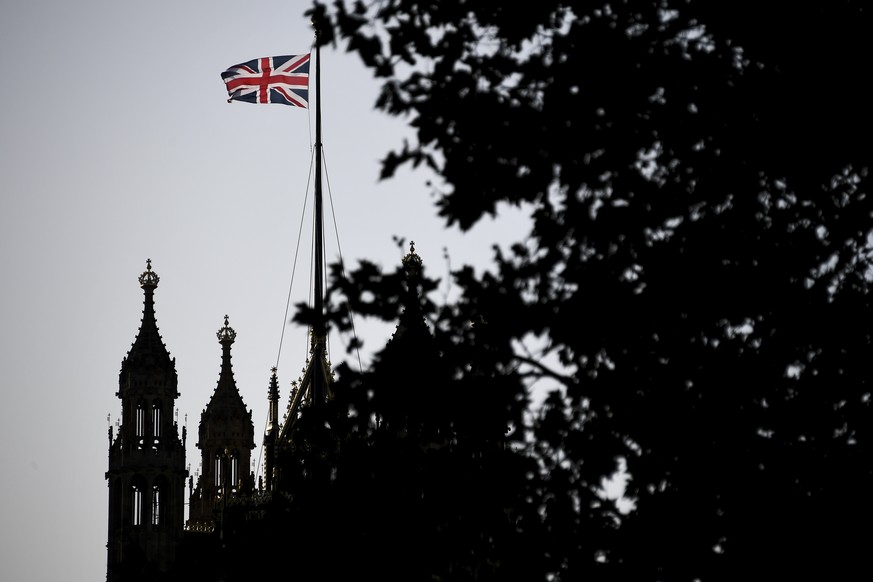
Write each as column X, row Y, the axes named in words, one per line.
column 272, row 429
column 226, row 400
column 148, row 354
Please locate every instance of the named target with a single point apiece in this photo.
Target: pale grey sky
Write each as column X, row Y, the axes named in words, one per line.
column 117, row 146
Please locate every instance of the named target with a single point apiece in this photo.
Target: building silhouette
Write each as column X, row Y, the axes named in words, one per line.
column 146, row 475
column 232, row 512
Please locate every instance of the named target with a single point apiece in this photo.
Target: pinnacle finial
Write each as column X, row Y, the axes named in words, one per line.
column 149, row 279
column 226, row 334
column 412, row 262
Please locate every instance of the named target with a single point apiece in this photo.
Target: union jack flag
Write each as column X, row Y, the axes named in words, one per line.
column 282, row 80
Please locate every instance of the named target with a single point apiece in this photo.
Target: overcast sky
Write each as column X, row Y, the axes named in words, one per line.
column 118, row 146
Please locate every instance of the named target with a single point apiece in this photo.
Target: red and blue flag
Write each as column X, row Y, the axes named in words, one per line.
column 283, row 80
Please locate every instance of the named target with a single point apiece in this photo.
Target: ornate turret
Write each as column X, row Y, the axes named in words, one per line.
column 425, row 411
column 272, row 430
column 226, row 439
column 146, row 475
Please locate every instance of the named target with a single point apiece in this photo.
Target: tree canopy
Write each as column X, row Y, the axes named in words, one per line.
column 696, row 175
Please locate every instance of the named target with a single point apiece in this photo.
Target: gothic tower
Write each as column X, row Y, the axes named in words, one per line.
column 226, row 439
column 146, row 475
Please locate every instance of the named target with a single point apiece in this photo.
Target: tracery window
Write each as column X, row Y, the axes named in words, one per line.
column 156, row 420
column 156, row 505
column 217, row 471
column 139, row 423
column 137, row 504
column 156, row 424
column 234, row 470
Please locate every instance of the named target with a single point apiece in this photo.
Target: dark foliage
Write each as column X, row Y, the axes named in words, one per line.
column 696, row 174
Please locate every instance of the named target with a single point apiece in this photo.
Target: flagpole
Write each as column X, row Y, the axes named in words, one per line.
column 319, row 331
